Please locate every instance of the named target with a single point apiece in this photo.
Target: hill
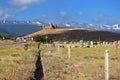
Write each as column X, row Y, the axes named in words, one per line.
column 76, row 34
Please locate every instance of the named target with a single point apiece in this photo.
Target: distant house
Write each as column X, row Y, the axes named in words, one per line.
column 51, row 26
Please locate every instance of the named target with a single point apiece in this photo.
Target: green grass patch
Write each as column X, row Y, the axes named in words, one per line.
column 7, row 52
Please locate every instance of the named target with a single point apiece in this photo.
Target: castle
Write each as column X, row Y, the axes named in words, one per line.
column 51, row 26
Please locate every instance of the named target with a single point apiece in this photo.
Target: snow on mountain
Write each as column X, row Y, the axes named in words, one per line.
column 110, row 28
column 68, row 25
column 22, row 22
column 19, row 28
column 37, row 23
column 91, row 24
column 116, row 27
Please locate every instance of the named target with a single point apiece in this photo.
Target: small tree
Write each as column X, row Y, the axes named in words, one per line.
column 4, row 36
column 44, row 39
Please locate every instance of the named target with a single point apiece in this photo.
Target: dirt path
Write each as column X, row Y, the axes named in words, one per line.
column 11, row 44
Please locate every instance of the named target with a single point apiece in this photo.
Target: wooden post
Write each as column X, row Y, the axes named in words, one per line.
column 117, row 44
column 106, row 65
column 68, row 51
column 58, row 48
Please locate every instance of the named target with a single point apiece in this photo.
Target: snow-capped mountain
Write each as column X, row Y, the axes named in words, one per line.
column 22, row 22
column 19, row 28
column 110, row 28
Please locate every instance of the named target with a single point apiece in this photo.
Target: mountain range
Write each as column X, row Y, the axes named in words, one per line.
column 108, row 27
column 20, row 28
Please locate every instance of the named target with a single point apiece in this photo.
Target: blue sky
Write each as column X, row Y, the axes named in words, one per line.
column 56, row 11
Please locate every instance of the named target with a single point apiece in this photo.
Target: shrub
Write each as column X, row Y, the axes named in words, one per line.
column 26, row 46
column 44, row 39
column 4, row 36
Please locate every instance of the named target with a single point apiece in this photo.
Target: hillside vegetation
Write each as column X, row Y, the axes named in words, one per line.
column 77, row 34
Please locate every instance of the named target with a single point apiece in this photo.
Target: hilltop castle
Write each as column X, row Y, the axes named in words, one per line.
column 50, row 26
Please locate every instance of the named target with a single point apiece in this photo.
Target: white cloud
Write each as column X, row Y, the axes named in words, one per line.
column 26, row 2
column 6, row 16
column 80, row 14
column 23, row 8
column 5, row 13
column 113, row 21
column 63, row 16
column 17, row 6
column 20, row 9
column 63, row 13
column 44, row 16
column 1, row 11
column 100, row 18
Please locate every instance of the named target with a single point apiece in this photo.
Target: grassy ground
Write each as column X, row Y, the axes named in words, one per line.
column 16, row 63
column 85, row 63
column 5, row 41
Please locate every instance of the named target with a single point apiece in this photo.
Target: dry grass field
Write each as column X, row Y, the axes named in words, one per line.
column 84, row 64
column 17, row 63
column 5, row 41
